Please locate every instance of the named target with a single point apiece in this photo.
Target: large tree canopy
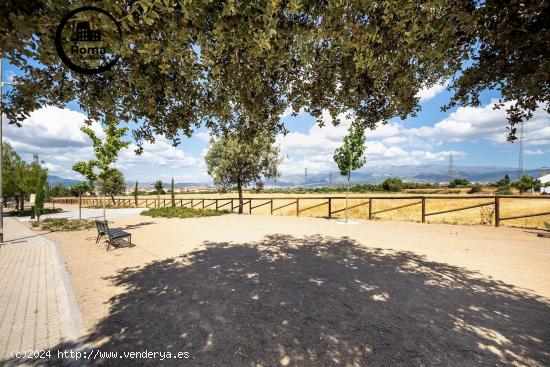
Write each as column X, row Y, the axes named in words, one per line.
column 193, row 62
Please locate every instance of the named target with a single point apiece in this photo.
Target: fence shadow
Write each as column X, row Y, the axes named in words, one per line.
column 319, row 301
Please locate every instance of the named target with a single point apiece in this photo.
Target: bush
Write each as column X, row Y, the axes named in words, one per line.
column 62, row 224
column 459, row 182
column 179, row 212
column 475, row 188
column 392, row 184
column 28, row 212
column 504, row 190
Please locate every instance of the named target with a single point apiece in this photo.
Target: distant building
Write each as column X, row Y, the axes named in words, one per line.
column 544, row 180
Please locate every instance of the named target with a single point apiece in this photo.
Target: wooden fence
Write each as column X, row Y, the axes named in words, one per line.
column 275, row 204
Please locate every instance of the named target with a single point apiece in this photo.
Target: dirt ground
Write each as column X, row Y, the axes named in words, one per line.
column 286, row 291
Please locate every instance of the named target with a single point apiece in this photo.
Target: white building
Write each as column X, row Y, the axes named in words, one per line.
column 544, row 180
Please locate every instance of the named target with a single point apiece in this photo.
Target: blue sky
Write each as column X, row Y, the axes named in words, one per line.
column 476, row 136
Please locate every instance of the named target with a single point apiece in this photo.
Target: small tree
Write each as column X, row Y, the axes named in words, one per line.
column 113, row 185
column 106, row 153
column 136, row 192
column 42, row 181
column 459, row 182
column 159, row 190
column 525, row 183
column 239, row 160
column 172, row 195
column 392, row 184
column 351, row 155
column 79, row 189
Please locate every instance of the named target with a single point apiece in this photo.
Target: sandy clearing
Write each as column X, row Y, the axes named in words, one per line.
column 449, row 280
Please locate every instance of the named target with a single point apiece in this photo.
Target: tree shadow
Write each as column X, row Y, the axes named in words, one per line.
column 137, row 225
column 319, row 301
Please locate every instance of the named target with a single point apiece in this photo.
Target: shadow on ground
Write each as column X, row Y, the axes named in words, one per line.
column 320, row 301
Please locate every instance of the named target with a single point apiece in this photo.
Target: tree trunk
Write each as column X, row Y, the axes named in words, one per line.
column 103, row 201
column 113, row 199
column 347, row 193
column 240, row 189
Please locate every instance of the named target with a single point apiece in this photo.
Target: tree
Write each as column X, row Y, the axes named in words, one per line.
column 525, row 183
column 42, row 181
column 351, row 155
column 11, row 168
column 172, row 194
column 459, row 182
column 392, row 184
column 235, row 160
column 106, row 152
column 79, row 189
column 504, row 182
column 59, row 190
column 159, row 190
column 136, row 192
column 113, row 185
column 158, row 187
column 367, row 58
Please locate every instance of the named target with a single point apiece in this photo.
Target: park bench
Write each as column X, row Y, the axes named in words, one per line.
column 115, row 236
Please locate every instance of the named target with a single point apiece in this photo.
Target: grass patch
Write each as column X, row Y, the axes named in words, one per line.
column 179, row 212
column 29, row 212
column 62, row 224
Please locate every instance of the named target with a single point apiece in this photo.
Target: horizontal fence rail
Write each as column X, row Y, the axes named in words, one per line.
column 275, row 205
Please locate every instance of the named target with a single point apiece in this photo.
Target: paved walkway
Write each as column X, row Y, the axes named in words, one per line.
column 37, row 307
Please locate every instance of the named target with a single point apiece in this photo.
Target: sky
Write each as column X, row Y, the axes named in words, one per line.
column 475, row 136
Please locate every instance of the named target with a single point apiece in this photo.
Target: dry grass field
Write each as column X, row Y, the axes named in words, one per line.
column 284, row 205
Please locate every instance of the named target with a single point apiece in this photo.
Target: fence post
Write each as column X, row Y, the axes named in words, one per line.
column 231, row 205
column 298, row 207
column 497, row 211
column 370, row 207
column 250, row 206
column 271, row 206
column 216, row 204
column 423, row 209
column 329, row 208
column 203, row 203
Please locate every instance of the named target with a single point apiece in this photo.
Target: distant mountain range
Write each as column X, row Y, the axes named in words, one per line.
column 421, row 173
column 56, row 180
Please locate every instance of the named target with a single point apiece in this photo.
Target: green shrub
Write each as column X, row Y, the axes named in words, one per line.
column 28, row 212
column 392, row 184
column 179, row 212
column 62, row 224
column 475, row 188
column 459, row 182
column 504, row 190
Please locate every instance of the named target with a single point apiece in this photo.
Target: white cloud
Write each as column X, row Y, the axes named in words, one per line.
column 54, row 134
column 427, row 93
column 52, row 127
column 484, row 123
column 161, row 153
column 203, row 135
column 534, row 152
column 388, row 144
